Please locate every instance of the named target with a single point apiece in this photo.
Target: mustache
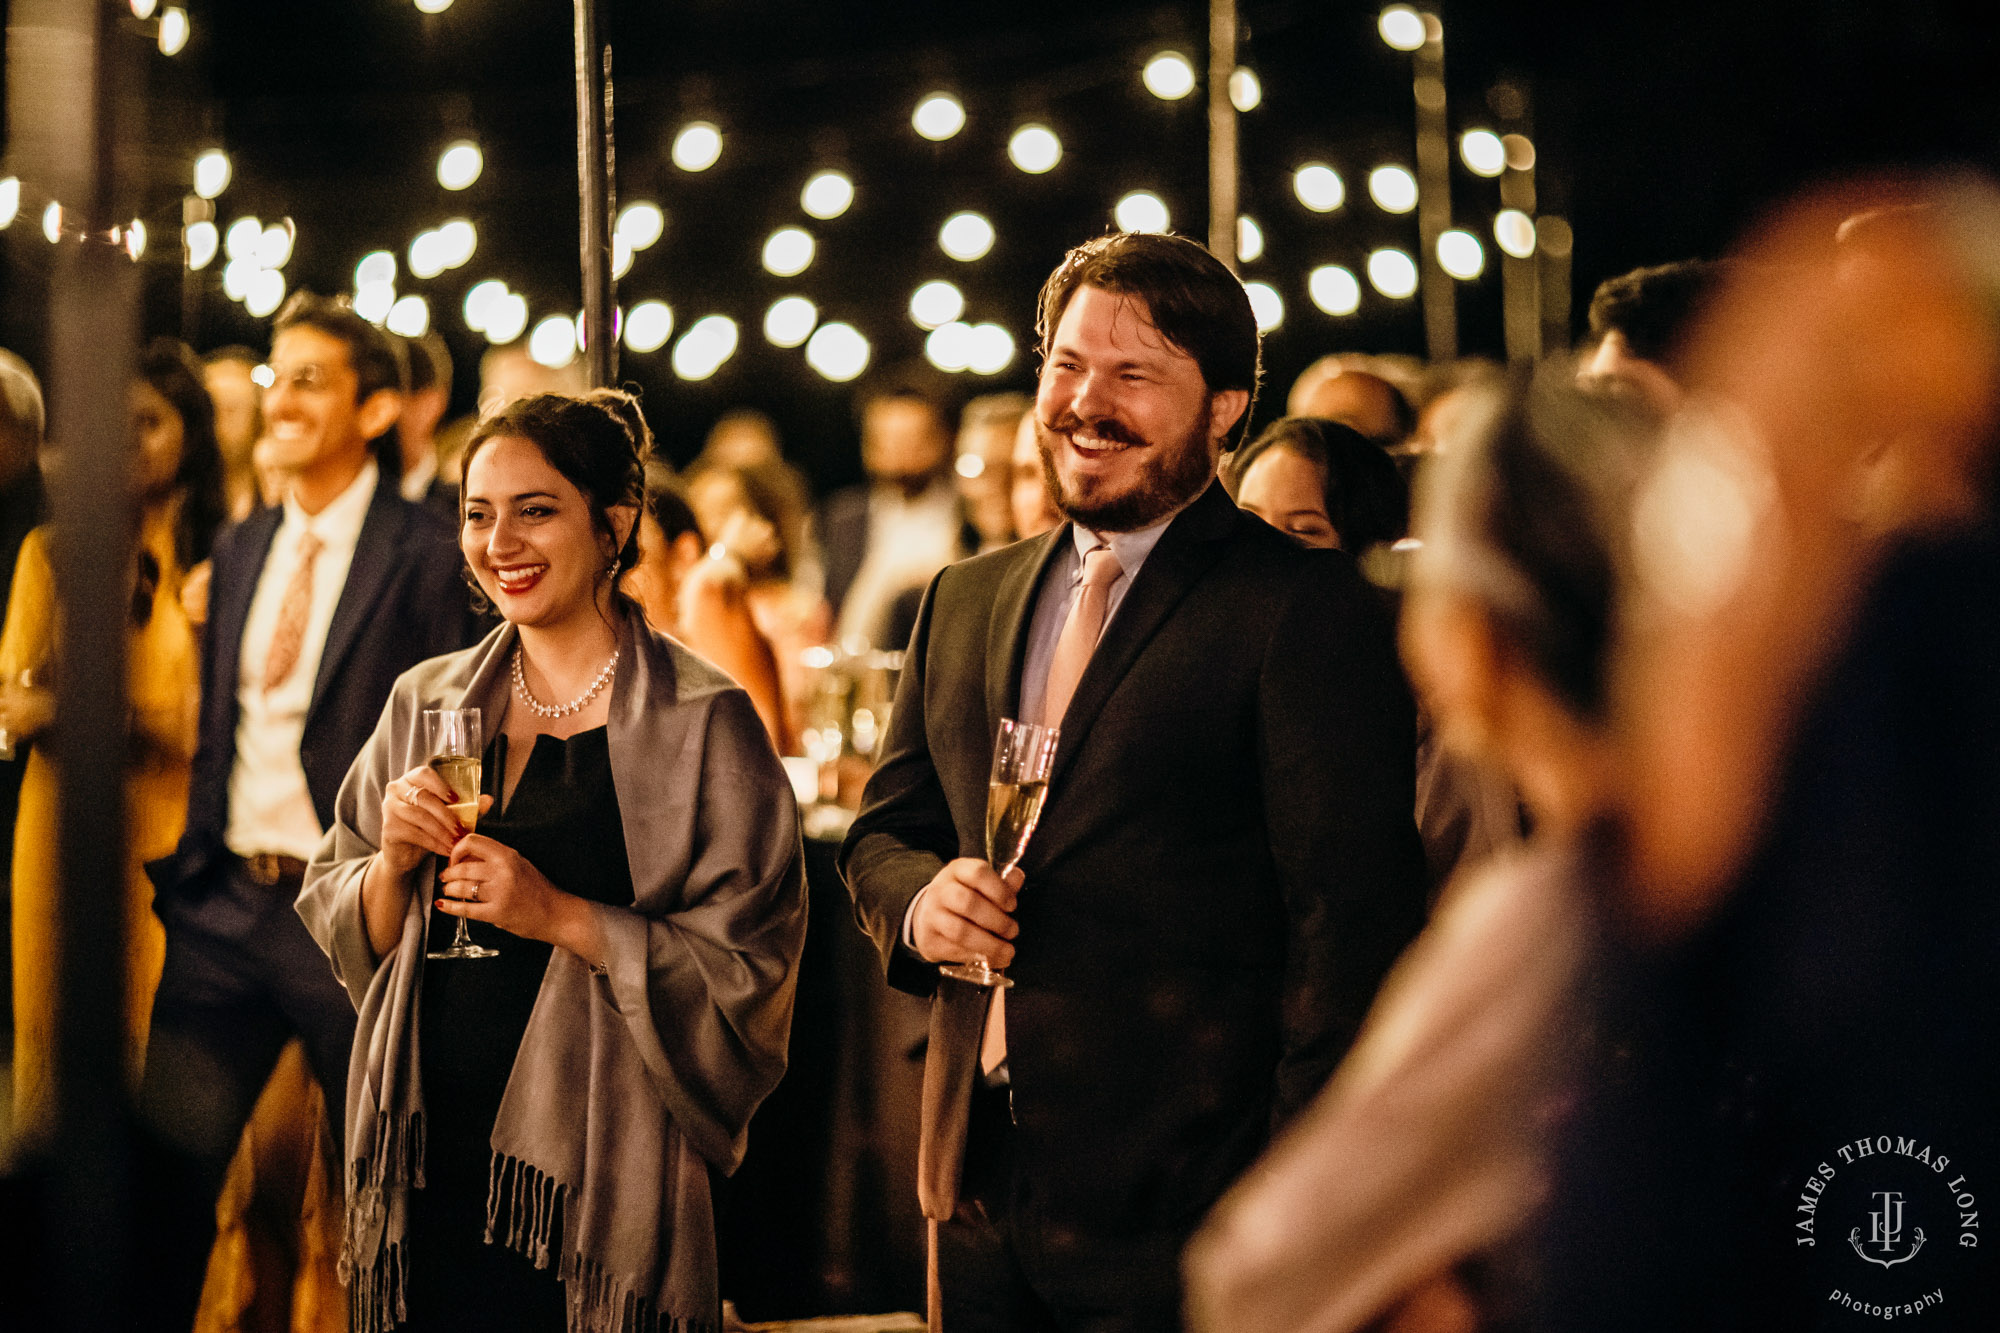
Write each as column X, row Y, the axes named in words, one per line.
column 1104, row 428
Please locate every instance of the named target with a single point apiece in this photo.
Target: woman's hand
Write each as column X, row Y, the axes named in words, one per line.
column 415, row 820
column 491, row 882
column 26, row 710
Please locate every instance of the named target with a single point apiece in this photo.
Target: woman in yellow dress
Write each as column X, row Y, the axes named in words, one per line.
column 177, row 479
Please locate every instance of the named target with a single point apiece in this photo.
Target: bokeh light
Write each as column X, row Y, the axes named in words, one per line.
column 375, row 266
column 266, row 294
column 649, row 326
column 242, row 238
column 372, row 300
column 553, row 343
column 1334, row 289
column 837, row 351
column 950, row 346
column 211, row 173
column 966, row 236
column 938, row 117
column 641, row 224
column 1461, row 255
column 1249, row 240
column 1392, row 273
column 480, row 301
column 1034, row 149
column 1168, row 76
column 1514, row 232
column 274, row 246
column 507, row 319
column 790, row 321
column 459, row 164
column 1245, row 92
column 10, row 201
column 1319, row 187
column 1401, row 27
column 427, row 254
column 174, row 33
column 1393, row 189
column 936, row 303
column 1482, row 153
column 827, row 194
column 202, row 241
column 1266, row 304
column 410, row 317
column 1141, row 210
column 709, row 341
column 990, row 349
column 697, row 146
column 788, row 252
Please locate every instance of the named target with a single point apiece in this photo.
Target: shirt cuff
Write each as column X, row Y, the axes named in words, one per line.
column 910, row 922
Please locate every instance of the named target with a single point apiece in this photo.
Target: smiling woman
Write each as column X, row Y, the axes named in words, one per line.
column 662, row 964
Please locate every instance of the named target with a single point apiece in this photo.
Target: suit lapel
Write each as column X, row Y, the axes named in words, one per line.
column 374, row 560
column 1007, row 626
column 1185, row 552
column 232, row 611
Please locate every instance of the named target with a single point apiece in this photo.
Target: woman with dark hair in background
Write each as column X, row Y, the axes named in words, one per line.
column 637, row 868
column 177, row 490
column 1397, row 1199
column 1325, row 483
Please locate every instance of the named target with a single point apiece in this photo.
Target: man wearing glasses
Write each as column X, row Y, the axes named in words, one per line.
column 317, row 604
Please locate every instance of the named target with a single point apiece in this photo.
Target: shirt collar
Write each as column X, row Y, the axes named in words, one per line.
column 1130, row 548
column 417, row 481
column 339, row 524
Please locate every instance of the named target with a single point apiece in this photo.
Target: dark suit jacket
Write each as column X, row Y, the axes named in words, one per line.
column 1225, row 868
column 843, row 539
column 405, row 600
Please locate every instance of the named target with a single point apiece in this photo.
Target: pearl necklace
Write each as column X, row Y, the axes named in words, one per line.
column 576, row 705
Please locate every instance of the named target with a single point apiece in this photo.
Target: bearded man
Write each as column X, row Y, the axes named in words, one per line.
column 1226, row 864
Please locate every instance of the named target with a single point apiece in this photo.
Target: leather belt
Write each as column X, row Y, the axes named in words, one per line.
column 271, row 869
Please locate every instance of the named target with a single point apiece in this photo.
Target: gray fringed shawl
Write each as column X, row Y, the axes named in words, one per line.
column 628, row 1086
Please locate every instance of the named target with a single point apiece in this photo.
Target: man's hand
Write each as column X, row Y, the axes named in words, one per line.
column 963, row 915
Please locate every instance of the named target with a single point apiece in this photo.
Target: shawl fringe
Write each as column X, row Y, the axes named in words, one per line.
column 373, row 1269
column 524, row 1210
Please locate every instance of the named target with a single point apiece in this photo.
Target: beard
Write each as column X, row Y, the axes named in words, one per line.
column 1177, row 471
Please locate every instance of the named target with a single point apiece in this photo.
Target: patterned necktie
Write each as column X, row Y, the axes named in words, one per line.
column 290, row 631
column 1073, row 649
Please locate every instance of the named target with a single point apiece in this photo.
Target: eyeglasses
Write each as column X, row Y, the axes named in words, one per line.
column 308, row 377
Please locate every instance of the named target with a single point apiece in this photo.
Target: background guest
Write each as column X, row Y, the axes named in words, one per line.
column 239, row 421
column 424, row 407
column 177, row 486
column 986, row 431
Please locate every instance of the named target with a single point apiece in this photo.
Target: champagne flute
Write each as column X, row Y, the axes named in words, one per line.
column 454, row 740
column 1023, row 753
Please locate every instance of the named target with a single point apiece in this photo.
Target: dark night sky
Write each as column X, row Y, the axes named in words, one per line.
column 1662, row 130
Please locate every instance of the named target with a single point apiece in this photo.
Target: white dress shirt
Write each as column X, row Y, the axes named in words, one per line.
column 270, row 807
column 416, row 482
column 909, row 540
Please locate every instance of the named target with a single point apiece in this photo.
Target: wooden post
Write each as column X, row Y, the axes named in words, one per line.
column 1222, row 154
column 1440, row 294
column 593, row 179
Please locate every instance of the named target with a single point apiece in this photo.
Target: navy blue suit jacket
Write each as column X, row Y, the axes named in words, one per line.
column 405, row 600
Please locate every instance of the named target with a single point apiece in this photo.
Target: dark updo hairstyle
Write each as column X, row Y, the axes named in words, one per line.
column 174, row 372
column 1367, row 501
column 1528, row 511
column 598, row 440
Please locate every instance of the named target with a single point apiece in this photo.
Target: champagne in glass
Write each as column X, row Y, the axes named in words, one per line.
column 1023, row 753
column 454, row 740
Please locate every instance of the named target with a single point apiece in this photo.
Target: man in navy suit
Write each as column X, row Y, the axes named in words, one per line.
column 316, row 606
column 1227, row 862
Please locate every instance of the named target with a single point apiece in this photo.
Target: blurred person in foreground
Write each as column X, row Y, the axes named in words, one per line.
column 177, row 490
column 702, row 602
column 987, row 429
column 532, row 1136
column 1334, row 388
column 1328, row 486
column 1802, row 970
column 1226, row 864
column 22, row 417
column 316, row 606
column 417, row 443
column 1398, row 1199
column 903, row 525
column 229, row 375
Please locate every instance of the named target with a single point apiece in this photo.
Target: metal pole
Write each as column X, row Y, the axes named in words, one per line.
column 1434, row 193
column 1222, row 155
column 593, row 179
column 73, row 105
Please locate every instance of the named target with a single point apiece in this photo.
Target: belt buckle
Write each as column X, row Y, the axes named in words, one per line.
column 264, row 868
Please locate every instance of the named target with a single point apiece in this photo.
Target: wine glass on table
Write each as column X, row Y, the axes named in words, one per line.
column 454, row 740
column 1023, row 753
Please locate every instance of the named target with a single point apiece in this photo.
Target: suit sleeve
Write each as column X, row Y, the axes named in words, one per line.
column 904, row 833
column 1337, row 747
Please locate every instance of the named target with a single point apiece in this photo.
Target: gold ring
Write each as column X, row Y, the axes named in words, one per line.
column 409, row 796
column 472, row 893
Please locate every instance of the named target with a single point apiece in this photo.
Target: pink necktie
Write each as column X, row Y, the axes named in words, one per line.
column 1073, row 649
column 288, row 637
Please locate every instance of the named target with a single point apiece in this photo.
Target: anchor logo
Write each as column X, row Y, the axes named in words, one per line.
column 1885, row 1231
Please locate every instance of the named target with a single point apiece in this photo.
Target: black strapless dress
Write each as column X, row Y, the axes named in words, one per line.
column 564, row 820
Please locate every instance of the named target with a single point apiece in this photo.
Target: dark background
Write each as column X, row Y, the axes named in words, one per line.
column 1662, row 130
